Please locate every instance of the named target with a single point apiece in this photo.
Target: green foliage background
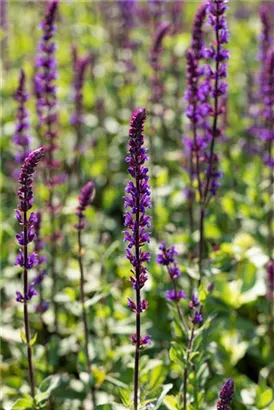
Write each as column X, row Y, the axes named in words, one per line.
column 234, row 340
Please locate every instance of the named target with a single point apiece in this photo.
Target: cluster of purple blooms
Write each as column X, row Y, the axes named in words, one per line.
column 80, row 65
column 267, row 132
column 25, row 195
column 136, row 220
column 166, row 257
column 206, row 88
column 226, row 395
column 154, row 57
column 21, row 137
column 44, row 82
column 85, row 198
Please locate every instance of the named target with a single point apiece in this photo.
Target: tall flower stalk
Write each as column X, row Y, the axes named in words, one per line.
column 47, row 111
column 85, row 198
column 157, row 93
column 21, row 137
column 25, row 259
column 205, row 95
column 137, row 221
column 80, row 65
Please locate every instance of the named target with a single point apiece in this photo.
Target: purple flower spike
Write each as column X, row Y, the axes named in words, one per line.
column 25, row 195
column 85, row 198
column 80, row 65
column 138, row 199
column 45, row 88
column 226, row 395
column 21, row 137
column 197, row 33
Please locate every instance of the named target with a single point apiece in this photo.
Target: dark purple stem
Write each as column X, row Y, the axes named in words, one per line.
column 26, row 316
column 138, row 299
column 84, row 314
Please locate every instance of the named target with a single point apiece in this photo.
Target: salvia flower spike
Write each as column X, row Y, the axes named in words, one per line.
column 24, row 259
column 138, row 200
column 226, row 395
column 85, row 198
column 46, row 107
column 21, row 137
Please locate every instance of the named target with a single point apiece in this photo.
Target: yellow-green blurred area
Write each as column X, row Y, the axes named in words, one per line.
column 234, row 340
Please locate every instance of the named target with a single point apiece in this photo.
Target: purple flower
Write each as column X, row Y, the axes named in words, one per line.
column 226, row 395
column 25, row 195
column 154, row 57
column 21, row 137
column 175, row 296
column 44, row 83
column 197, row 33
column 85, row 198
column 167, row 258
column 28, row 296
column 137, row 198
column 42, row 307
column 194, row 302
column 80, row 65
column 143, row 305
column 198, row 318
column 39, row 278
column 145, row 340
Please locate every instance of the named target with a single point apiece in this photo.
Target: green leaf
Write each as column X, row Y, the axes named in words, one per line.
column 23, row 336
column 50, row 384
column 22, row 404
column 33, row 340
column 264, row 399
column 166, row 389
column 171, row 402
column 247, row 272
column 125, row 395
column 176, row 353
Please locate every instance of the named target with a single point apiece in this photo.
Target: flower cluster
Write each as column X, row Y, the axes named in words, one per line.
column 166, row 257
column 85, row 198
column 265, row 40
column 155, row 55
column 21, row 137
column 138, row 200
column 205, row 92
column 80, row 65
column 267, row 133
column 196, row 317
column 45, row 88
column 226, row 395
column 25, row 195
column 197, row 42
